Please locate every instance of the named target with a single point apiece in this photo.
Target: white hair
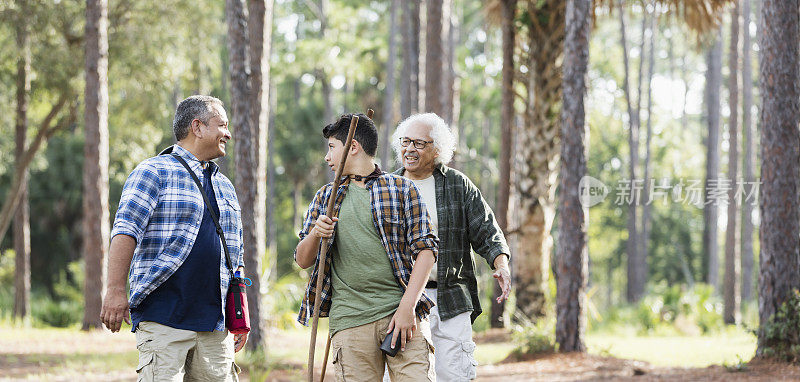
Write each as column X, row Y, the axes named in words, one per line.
column 444, row 141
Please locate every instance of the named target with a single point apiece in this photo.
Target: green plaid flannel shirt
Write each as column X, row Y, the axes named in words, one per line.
column 465, row 221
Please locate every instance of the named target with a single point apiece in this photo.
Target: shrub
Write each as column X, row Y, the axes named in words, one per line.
column 533, row 338
column 781, row 334
column 61, row 314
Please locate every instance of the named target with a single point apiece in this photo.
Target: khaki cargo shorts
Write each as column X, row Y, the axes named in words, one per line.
column 169, row 354
column 357, row 356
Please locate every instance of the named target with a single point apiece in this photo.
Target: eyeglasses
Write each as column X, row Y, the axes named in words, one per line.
column 419, row 144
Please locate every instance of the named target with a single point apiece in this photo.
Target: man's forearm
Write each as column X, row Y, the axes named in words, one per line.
column 307, row 251
column 120, row 255
column 419, row 276
column 501, row 260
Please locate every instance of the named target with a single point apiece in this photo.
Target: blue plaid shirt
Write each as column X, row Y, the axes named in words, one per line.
column 162, row 208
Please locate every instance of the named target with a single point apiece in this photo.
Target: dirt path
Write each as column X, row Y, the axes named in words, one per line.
column 586, row 367
column 63, row 355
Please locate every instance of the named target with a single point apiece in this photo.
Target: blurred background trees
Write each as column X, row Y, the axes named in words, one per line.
column 659, row 132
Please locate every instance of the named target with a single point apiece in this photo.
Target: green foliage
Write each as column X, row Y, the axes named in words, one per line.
column 66, row 307
column 673, row 310
column 283, row 301
column 781, row 334
column 533, row 338
column 59, row 314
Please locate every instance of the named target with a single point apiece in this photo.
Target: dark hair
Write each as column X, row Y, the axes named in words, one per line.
column 366, row 134
column 191, row 108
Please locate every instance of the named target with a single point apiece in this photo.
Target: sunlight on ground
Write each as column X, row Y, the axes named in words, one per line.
column 728, row 348
column 45, row 353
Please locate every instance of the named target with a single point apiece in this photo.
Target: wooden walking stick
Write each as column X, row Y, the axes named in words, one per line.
column 324, row 251
column 370, row 112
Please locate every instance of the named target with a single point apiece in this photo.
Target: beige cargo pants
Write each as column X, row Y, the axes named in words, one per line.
column 169, row 354
column 357, row 356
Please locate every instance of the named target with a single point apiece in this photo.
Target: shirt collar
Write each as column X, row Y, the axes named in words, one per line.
column 440, row 168
column 191, row 159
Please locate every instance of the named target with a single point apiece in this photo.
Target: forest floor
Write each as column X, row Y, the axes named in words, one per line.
column 72, row 355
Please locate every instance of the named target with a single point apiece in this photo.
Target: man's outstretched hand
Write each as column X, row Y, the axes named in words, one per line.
column 503, row 276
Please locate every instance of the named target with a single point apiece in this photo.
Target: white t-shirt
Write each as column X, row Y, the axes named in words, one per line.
column 427, row 190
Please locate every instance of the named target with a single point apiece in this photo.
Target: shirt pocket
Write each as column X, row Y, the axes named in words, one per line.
column 230, row 221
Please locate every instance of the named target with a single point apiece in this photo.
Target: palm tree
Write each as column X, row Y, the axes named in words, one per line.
column 571, row 253
column 96, row 228
column 539, row 47
column 779, row 200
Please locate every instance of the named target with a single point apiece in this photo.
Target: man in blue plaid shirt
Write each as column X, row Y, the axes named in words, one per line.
column 165, row 239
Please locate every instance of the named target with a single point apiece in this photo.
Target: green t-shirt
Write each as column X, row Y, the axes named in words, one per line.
column 364, row 287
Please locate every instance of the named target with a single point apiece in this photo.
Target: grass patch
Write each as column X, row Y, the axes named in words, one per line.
column 723, row 348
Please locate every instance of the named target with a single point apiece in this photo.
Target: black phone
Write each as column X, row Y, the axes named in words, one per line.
column 386, row 345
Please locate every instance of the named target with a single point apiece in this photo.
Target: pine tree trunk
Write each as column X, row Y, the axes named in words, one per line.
column 434, row 58
column 388, row 97
column 779, row 87
column 710, row 210
column 731, row 292
column 449, row 73
column 22, row 236
column 272, row 225
column 749, row 154
column 409, row 95
column 644, row 239
column 96, row 228
column 507, row 116
column 571, row 253
column 539, row 148
column 633, row 292
column 259, row 25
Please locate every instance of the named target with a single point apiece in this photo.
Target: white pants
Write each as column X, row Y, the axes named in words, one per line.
column 453, row 346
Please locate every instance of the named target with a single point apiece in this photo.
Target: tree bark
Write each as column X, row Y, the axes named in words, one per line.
column 434, row 58
column 644, row 239
column 571, row 252
column 539, row 148
column 507, row 116
column 388, row 98
column 96, row 219
column 272, row 226
column 710, row 210
column 749, row 154
column 449, row 33
column 409, row 95
column 779, row 87
column 259, row 25
column 633, row 291
column 732, row 294
column 22, row 233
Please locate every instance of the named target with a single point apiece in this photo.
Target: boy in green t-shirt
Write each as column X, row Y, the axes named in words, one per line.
column 381, row 255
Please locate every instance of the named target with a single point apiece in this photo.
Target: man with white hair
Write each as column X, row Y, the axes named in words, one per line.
column 461, row 219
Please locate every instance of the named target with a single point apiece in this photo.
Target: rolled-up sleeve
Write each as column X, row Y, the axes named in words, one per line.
column 485, row 235
column 315, row 209
column 419, row 233
column 137, row 203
